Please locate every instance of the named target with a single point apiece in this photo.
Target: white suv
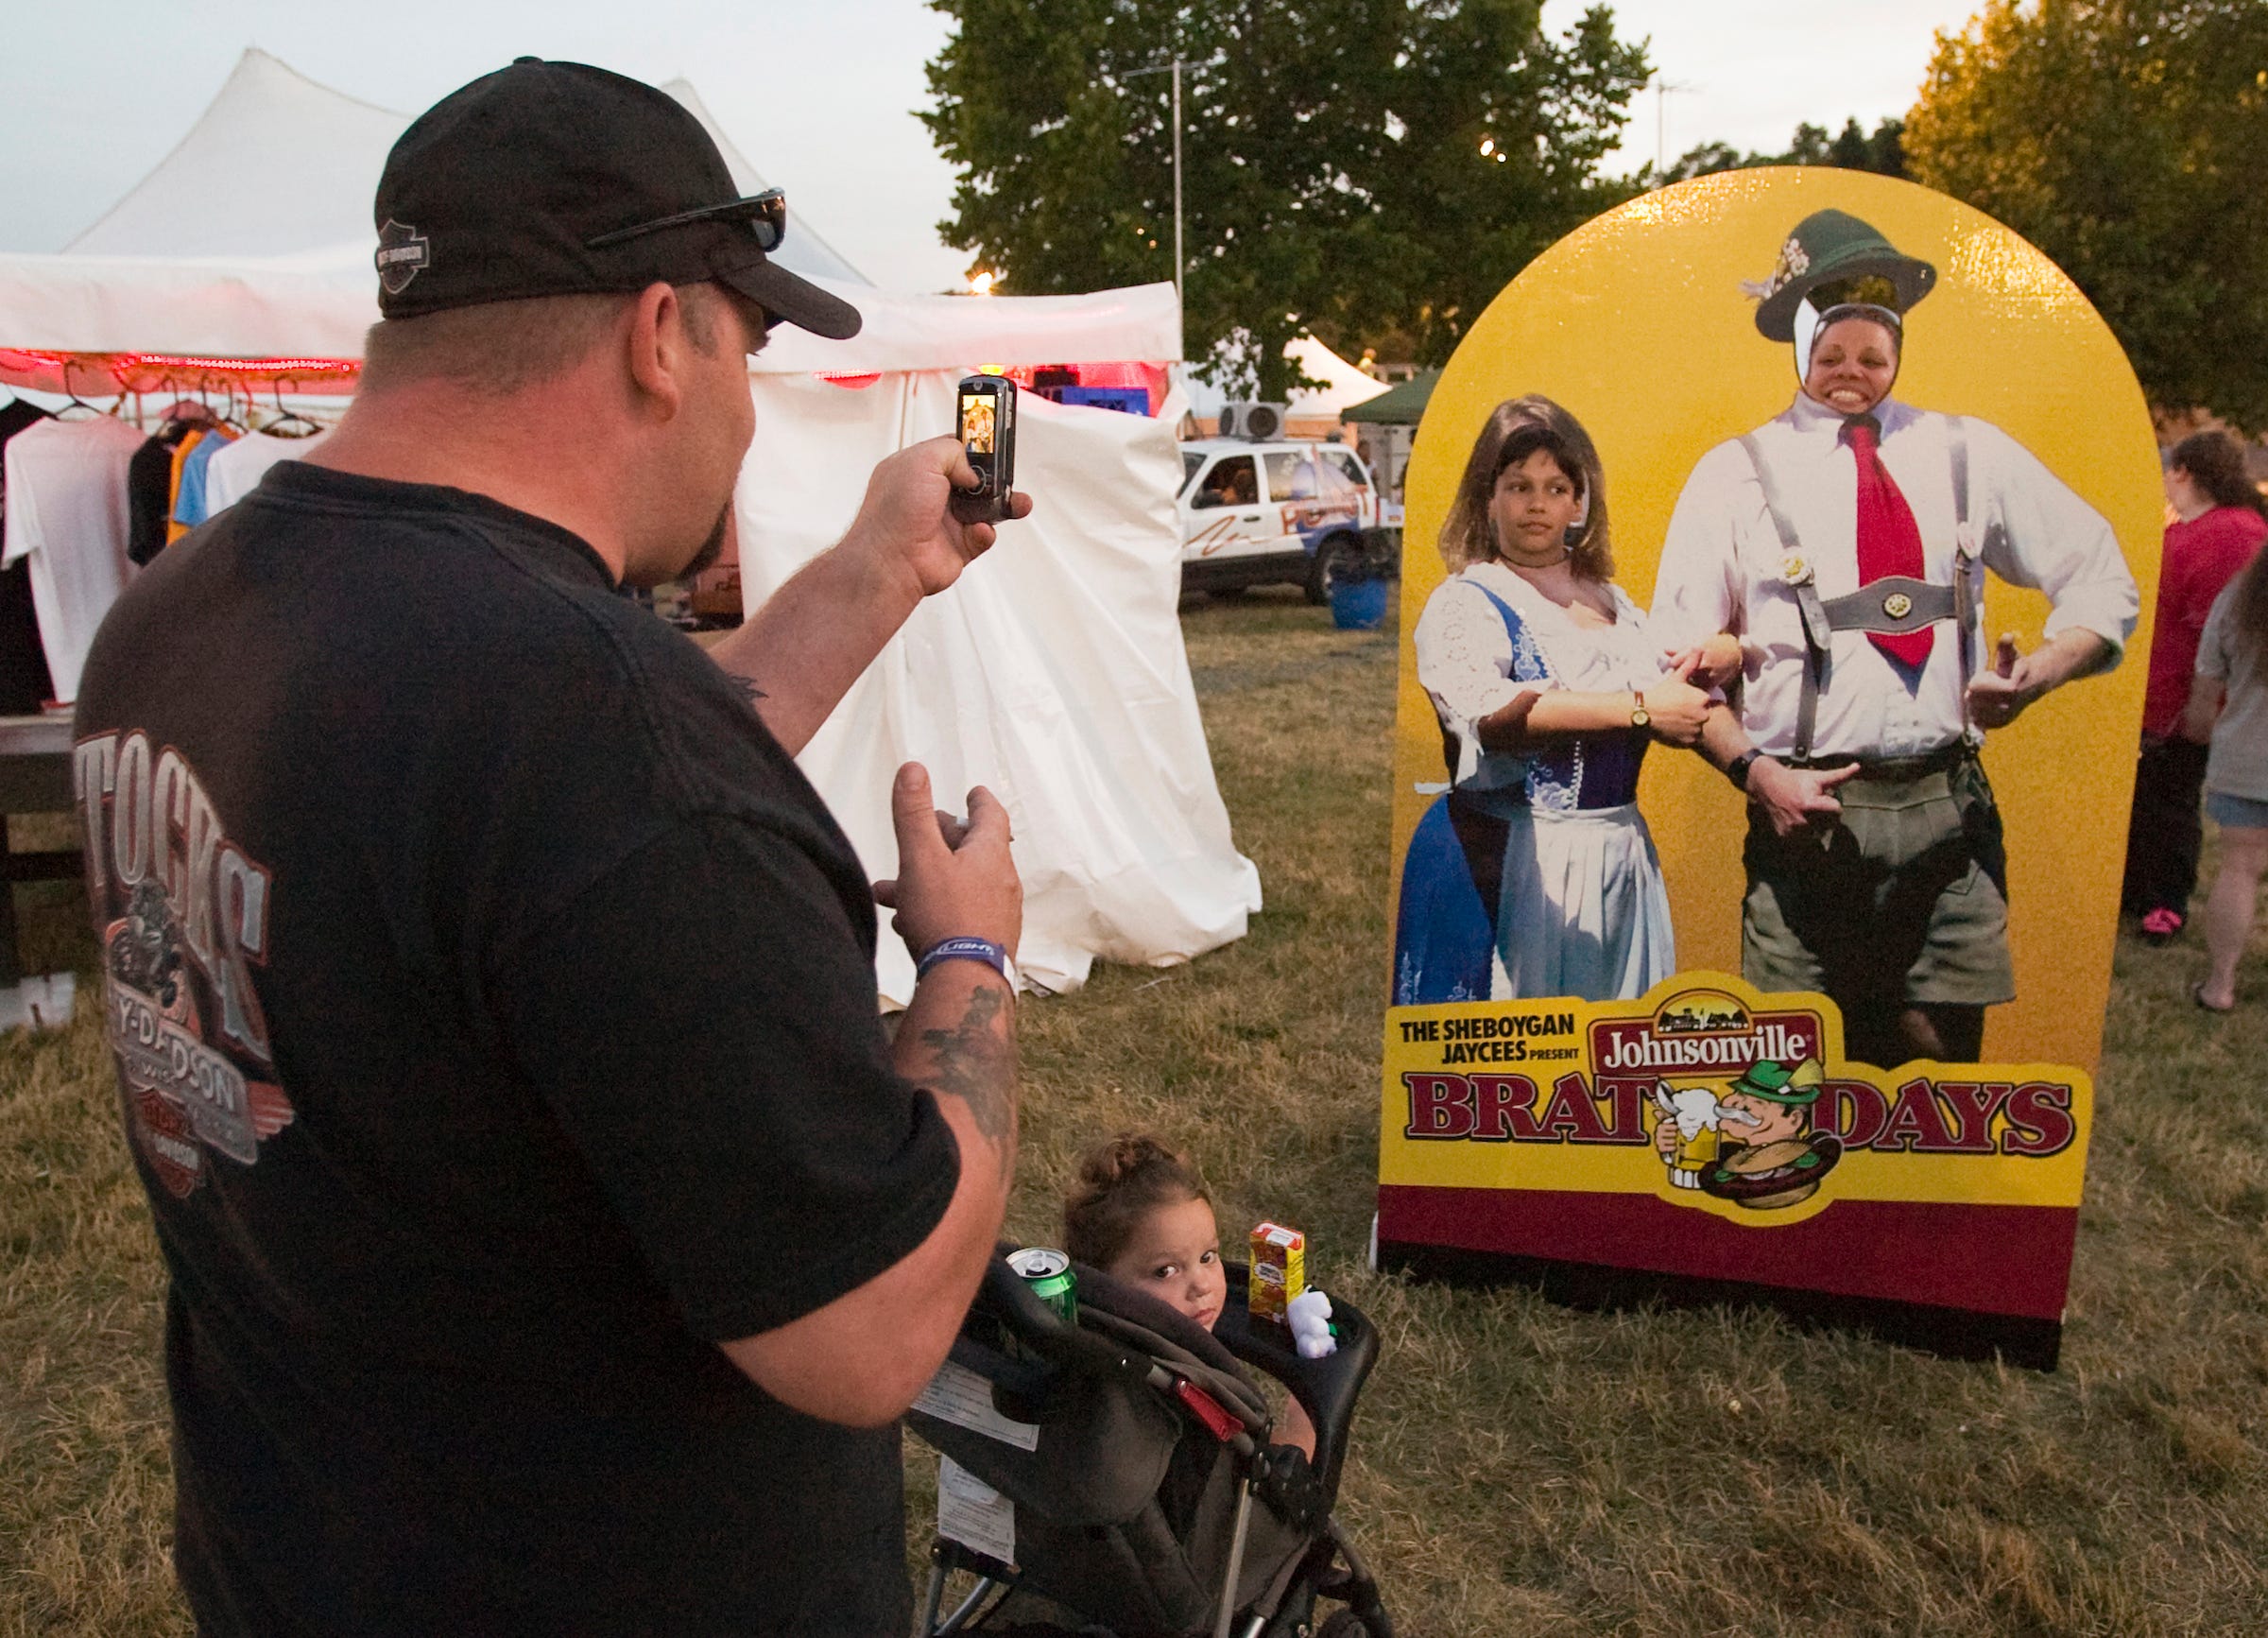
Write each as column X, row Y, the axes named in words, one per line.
column 1256, row 514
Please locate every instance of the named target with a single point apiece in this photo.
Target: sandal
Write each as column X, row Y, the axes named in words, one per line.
column 2162, row 925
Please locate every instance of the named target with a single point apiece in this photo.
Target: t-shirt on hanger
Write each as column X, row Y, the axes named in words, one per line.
column 67, row 516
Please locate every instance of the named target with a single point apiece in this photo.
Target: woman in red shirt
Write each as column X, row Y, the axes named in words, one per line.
column 2220, row 523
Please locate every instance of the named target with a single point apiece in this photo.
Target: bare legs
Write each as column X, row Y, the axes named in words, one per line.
column 2228, row 912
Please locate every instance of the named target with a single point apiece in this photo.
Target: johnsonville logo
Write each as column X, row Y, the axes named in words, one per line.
column 1702, row 1029
column 1736, row 1106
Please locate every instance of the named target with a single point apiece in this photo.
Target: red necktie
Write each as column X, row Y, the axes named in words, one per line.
column 1889, row 540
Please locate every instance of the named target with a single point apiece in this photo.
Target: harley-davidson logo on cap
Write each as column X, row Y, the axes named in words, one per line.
column 402, row 253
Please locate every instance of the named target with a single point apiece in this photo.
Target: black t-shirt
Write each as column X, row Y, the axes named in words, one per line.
column 149, row 492
column 24, row 683
column 496, row 1025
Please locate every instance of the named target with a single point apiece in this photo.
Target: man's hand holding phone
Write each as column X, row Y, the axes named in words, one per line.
column 800, row 653
column 907, row 520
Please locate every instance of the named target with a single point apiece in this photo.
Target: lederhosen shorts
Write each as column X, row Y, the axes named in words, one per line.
column 1901, row 899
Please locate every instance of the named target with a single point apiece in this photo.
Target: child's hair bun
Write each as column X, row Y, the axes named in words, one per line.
column 1127, row 1156
column 1118, row 1182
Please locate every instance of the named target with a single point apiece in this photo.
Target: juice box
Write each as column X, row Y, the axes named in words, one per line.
column 1278, row 1271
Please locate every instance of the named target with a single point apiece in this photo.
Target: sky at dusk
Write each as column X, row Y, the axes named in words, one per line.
column 819, row 96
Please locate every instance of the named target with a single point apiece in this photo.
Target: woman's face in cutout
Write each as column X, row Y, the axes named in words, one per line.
column 1534, row 506
column 1853, row 363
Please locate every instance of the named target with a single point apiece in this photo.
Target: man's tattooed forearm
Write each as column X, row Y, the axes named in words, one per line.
column 747, row 685
column 976, row 1062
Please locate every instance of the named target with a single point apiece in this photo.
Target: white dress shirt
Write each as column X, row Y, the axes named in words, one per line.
column 1721, row 569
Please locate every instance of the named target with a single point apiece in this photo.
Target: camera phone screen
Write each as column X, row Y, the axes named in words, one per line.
column 977, row 422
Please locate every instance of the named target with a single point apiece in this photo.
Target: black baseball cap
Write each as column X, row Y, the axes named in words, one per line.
column 558, row 179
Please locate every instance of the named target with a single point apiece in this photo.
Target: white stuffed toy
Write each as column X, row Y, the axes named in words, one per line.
column 1309, row 1315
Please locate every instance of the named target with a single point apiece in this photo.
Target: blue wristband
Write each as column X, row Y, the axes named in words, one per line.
column 967, row 949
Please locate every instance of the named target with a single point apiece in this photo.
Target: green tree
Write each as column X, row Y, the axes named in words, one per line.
column 2128, row 139
column 1854, row 151
column 1351, row 167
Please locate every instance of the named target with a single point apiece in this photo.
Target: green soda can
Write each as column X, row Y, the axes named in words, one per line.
column 1047, row 1271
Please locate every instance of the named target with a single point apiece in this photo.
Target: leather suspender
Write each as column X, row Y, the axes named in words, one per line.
column 1968, row 604
column 1895, row 603
column 1817, row 630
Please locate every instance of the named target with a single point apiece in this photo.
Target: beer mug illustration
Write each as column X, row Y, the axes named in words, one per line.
column 1693, row 1111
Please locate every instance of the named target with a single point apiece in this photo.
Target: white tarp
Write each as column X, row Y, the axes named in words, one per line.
column 314, row 306
column 1141, row 323
column 318, row 304
column 1052, row 673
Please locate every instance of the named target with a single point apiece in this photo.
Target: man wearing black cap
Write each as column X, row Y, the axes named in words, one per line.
column 1843, row 542
column 553, row 1234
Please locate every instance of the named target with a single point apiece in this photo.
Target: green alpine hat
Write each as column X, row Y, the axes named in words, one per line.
column 1767, row 1080
column 1828, row 246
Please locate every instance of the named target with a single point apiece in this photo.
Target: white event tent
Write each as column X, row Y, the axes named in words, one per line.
column 1310, row 408
column 1054, row 672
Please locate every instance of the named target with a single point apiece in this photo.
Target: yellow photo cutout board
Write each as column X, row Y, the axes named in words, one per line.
column 2018, row 445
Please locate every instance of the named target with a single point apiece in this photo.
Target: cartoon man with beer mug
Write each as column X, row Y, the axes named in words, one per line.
column 1738, row 1145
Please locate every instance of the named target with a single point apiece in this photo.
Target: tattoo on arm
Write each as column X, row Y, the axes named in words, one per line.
column 975, row 1061
column 747, row 685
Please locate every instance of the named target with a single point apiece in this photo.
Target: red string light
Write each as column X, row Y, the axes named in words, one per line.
column 242, row 366
column 138, row 371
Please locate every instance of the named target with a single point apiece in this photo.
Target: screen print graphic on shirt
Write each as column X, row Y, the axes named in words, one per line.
column 183, row 913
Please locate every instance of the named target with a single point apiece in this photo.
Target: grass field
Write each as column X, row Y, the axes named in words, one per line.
column 1519, row 1469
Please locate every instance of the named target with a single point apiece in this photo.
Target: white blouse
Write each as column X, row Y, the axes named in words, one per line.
column 1467, row 658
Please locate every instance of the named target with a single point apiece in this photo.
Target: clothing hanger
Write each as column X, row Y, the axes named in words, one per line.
column 286, row 417
column 181, row 415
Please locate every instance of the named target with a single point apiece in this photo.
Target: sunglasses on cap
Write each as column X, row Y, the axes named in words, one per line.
column 766, row 213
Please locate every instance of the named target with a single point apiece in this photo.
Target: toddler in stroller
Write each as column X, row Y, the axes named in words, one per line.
column 1137, row 1486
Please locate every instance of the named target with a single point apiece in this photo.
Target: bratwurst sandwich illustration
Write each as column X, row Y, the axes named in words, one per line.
column 1769, row 1157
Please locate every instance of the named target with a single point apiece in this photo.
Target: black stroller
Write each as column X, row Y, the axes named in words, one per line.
column 1129, row 1456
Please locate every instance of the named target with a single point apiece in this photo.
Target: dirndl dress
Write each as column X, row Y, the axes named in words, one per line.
column 1537, row 870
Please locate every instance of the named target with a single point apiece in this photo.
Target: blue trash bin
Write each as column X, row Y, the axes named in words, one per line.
column 1359, row 605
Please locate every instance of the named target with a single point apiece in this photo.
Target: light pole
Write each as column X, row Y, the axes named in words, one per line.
column 1177, row 181
column 1661, row 96
column 1174, row 68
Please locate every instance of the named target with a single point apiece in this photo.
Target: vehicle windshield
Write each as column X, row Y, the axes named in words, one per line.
column 1190, row 462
